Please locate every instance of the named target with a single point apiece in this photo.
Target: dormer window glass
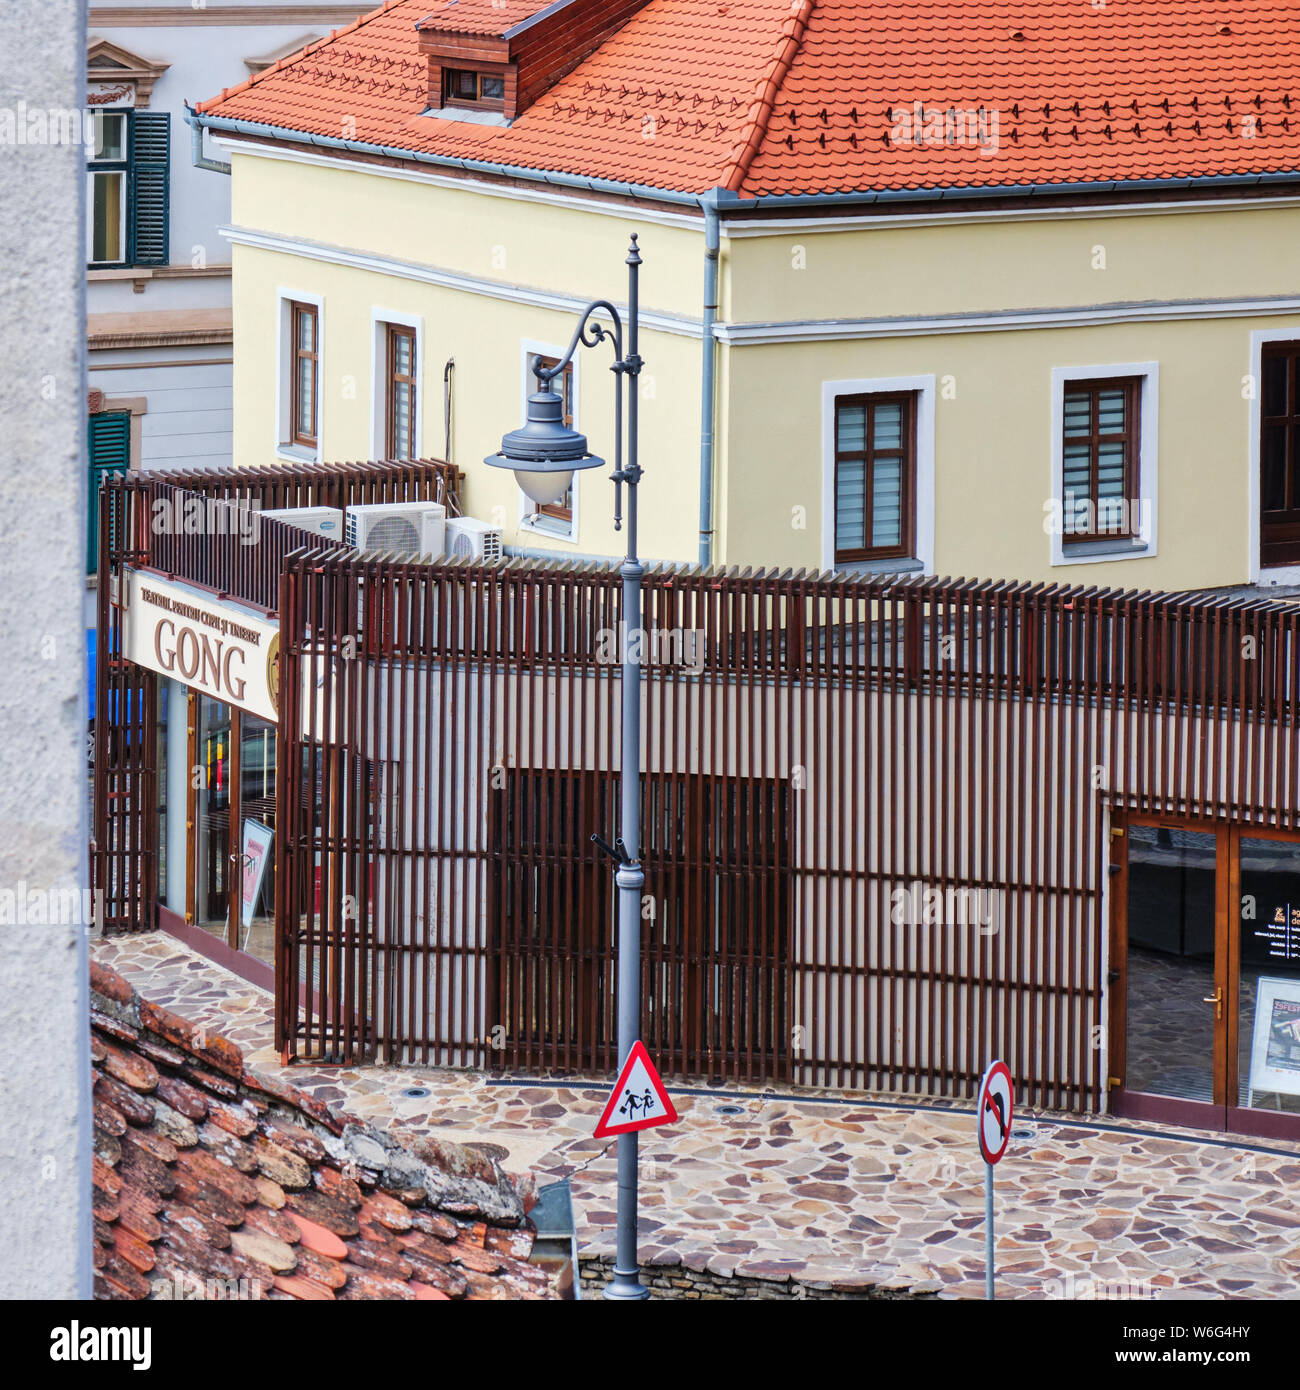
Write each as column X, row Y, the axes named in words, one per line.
column 465, row 87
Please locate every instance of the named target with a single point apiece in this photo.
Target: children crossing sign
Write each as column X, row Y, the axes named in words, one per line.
column 639, row 1100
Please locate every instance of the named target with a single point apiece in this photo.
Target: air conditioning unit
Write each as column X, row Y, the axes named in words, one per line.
column 411, row 530
column 468, row 539
column 321, row 521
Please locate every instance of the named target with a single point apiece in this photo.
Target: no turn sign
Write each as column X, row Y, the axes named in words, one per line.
column 993, row 1112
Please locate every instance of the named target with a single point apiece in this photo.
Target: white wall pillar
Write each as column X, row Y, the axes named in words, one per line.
column 44, row 1005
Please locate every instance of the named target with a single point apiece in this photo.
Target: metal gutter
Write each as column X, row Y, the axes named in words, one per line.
column 708, row 371
column 469, row 166
column 731, row 202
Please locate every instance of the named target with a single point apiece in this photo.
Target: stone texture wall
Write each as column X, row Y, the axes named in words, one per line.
column 44, row 1008
column 681, row 1281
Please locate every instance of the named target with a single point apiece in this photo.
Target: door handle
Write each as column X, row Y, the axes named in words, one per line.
column 1217, row 1000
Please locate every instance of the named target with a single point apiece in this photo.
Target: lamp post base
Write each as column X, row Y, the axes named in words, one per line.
column 625, row 1287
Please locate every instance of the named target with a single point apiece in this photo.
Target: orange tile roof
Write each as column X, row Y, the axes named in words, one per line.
column 773, row 97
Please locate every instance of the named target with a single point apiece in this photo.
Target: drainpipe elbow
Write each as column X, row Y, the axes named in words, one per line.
column 197, row 158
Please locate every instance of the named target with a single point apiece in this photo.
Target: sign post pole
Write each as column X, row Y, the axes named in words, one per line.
column 988, row 1231
column 993, row 1128
column 638, row 1102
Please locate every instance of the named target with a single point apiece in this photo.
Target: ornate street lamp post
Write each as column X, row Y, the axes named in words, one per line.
column 544, row 455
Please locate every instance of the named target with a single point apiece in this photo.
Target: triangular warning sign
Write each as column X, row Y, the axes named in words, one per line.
column 639, row 1100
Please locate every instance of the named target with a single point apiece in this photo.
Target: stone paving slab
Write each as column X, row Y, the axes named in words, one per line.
column 829, row 1187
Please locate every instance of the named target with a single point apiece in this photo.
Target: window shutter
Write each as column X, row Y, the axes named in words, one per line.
column 109, row 445
column 150, row 179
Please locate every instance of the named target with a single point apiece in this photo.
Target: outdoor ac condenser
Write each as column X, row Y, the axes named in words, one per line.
column 321, row 521
column 411, row 530
column 468, row 539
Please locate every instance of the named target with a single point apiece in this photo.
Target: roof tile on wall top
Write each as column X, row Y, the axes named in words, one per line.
column 210, row 1185
column 485, row 17
column 811, row 96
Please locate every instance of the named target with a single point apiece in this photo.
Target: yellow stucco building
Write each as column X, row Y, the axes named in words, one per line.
column 1006, row 345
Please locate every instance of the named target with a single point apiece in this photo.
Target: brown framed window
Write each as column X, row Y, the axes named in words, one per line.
column 875, row 476
column 1099, row 456
column 561, row 511
column 401, row 392
column 304, row 410
column 465, row 87
column 1279, row 455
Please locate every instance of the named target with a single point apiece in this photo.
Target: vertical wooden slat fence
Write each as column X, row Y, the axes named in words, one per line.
column 874, row 812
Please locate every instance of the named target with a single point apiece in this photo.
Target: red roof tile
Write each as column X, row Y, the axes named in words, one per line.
column 494, row 17
column 252, row 1195
column 802, row 96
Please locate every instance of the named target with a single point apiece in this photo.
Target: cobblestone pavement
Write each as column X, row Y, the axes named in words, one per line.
column 833, row 1187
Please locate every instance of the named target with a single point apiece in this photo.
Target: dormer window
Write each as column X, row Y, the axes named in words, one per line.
column 466, row 87
column 489, row 60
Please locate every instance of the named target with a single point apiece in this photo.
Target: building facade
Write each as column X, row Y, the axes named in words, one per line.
column 924, row 313
column 158, row 272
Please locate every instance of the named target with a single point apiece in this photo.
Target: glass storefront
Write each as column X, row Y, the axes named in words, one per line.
column 233, row 818
column 1206, row 973
column 1268, row 1009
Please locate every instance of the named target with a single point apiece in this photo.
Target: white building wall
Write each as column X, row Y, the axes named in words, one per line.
column 45, row 1122
column 188, row 420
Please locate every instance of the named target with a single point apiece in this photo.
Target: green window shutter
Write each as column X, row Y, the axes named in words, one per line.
column 109, row 446
column 150, row 186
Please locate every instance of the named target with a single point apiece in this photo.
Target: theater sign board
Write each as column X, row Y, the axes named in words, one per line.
column 221, row 649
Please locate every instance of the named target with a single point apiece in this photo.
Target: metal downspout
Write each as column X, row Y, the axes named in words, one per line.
column 708, row 372
column 197, row 158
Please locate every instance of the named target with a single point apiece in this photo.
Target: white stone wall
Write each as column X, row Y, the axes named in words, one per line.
column 44, row 1008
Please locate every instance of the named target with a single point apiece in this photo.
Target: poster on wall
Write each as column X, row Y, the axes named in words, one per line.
column 257, row 850
column 1275, row 1050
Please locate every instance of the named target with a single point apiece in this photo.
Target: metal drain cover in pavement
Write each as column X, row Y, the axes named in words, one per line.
column 416, row 1092
column 728, row 1109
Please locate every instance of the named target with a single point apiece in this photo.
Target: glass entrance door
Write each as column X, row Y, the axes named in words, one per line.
column 212, row 839
column 1169, row 969
column 232, row 813
column 1205, row 977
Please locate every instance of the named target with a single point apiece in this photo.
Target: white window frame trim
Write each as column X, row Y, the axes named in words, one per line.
column 924, row 389
column 1148, row 457
column 547, row 529
column 379, row 321
column 1257, row 573
column 284, row 449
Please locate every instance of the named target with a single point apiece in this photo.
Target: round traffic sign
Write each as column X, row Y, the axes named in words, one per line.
column 993, row 1112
